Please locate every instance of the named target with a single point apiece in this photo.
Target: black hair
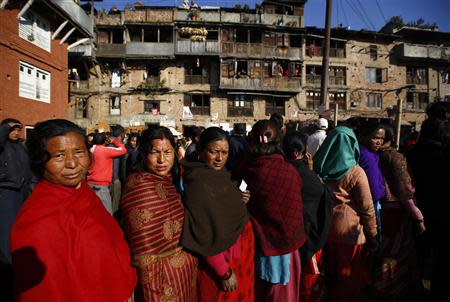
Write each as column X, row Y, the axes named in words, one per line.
column 439, row 110
column 10, row 120
column 368, row 127
column 239, row 129
column 117, row 130
column 99, row 138
column 209, row 135
column 268, row 129
column 196, row 132
column 277, row 119
column 146, row 144
column 130, row 136
column 294, row 141
column 389, row 133
column 42, row 132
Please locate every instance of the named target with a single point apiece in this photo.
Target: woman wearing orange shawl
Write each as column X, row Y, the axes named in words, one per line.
column 65, row 246
column 154, row 216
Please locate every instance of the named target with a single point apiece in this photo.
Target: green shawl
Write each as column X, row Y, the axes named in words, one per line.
column 337, row 155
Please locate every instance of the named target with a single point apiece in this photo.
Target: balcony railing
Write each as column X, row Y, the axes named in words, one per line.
column 239, row 111
column 260, row 50
column 430, row 52
column 318, row 52
column 272, row 83
column 315, row 80
column 200, row 110
column 416, row 80
column 186, row 46
column 78, row 86
column 196, row 79
column 135, row 50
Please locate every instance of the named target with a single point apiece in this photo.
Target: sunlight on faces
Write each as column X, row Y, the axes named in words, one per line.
column 161, row 157
column 69, row 160
column 216, row 154
column 375, row 140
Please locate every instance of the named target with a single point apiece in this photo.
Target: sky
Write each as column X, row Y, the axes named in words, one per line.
column 353, row 14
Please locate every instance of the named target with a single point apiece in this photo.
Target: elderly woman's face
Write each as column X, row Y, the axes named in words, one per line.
column 216, row 154
column 161, row 156
column 69, row 160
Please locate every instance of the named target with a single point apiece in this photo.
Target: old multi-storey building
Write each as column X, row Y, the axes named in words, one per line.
column 34, row 40
column 216, row 66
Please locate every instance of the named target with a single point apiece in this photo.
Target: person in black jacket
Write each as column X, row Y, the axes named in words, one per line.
column 317, row 214
column 15, row 186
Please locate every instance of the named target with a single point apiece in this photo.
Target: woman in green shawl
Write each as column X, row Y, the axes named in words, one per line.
column 353, row 226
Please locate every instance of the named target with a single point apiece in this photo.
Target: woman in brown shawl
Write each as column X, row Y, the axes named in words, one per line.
column 398, row 274
column 216, row 225
column 277, row 215
column 153, row 215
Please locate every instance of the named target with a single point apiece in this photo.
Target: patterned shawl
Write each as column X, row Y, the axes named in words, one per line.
column 215, row 214
column 153, row 213
column 275, row 204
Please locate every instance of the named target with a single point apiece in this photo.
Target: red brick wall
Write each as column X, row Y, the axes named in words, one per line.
column 14, row 49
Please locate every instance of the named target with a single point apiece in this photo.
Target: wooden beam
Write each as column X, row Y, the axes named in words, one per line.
column 56, row 33
column 25, row 8
column 67, row 36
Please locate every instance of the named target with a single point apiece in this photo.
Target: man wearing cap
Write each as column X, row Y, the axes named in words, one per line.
column 316, row 139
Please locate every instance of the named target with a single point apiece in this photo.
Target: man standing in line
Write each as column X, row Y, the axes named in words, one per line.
column 316, row 139
column 100, row 173
column 15, row 186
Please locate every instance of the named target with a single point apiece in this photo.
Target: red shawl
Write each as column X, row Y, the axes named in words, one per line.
column 275, row 204
column 66, row 247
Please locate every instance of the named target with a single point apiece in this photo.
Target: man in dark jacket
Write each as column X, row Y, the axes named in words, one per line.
column 238, row 145
column 15, row 186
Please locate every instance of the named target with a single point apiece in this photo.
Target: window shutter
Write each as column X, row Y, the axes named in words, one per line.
column 43, row 37
column 26, row 27
column 384, row 75
column 43, row 86
column 187, row 100
column 27, row 81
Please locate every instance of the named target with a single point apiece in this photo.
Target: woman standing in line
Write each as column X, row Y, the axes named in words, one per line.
column 353, row 224
column 65, row 245
column 277, row 215
column 153, row 215
column 217, row 226
column 398, row 275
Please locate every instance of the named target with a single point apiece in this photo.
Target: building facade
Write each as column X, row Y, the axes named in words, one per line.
column 34, row 41
column 215, row 66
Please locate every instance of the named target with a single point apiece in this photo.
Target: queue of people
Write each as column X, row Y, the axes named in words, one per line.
column 236, row 218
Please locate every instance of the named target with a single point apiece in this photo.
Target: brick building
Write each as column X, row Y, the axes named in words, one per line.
column 182, row 66
column 34, row 41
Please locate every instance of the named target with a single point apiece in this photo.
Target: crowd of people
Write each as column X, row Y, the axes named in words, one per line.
column 270, row 215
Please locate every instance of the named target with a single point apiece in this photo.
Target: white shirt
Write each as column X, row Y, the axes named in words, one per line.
column 315, row 140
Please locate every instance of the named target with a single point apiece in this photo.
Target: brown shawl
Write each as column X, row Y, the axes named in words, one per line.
column 215, row 215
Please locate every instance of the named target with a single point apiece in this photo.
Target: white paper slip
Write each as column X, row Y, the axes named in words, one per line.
column 243, row 186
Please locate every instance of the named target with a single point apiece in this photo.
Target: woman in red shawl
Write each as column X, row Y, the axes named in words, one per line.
column 65, row 246
column 217, row 226
column 277, row 215
column 153, row 214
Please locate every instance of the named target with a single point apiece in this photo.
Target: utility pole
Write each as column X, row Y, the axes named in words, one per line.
column 325, row 58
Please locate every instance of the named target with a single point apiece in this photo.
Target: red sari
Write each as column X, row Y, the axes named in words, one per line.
column 154, row 216
column 66, row 247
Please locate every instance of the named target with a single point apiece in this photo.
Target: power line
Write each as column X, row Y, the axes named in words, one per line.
column 344, row 13
column 358, row 13
column 381, row 11
column 365, row 14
